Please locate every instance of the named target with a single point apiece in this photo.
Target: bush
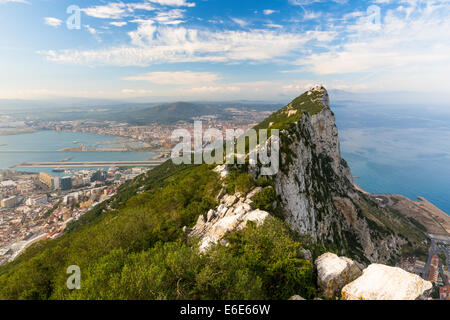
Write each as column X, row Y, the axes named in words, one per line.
column 239, row 181
column 260, row 263
column 265, row 199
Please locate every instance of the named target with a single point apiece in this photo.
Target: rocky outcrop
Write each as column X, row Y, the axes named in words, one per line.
column 232, row 214
column 334, row 272
column 315, row 190
column 317, row 194
column 380, row 282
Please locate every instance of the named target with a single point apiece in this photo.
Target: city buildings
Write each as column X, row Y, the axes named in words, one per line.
column 444, row 293
column 46, row 213
column 9, row 202
column 65, row 183
column 49, row 180
column 433, row 274
column 37, row 200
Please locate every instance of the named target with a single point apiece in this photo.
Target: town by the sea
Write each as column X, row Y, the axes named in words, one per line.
column 44, row 146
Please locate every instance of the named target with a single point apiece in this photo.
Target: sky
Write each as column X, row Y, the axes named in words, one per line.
column 221, row 49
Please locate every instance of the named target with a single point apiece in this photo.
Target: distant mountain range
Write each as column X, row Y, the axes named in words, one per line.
column 132, row 113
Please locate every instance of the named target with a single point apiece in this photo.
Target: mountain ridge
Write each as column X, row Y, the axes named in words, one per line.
column 134, row 246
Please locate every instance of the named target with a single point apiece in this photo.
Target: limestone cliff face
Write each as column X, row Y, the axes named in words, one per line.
column 316, row 188
column 315, row 191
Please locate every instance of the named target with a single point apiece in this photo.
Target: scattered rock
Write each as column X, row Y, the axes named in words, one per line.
column 307, row 255
column 253, row 193
column 229, row 200
column 222, row 170
column 232, row 214
column 201, row 220
column 186, row 229
column 296, row 297
column 211, row 214
column 334, row 273
column 380, row 282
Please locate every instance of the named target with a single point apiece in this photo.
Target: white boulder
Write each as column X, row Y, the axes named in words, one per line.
column 380, row 282
column 335, row 272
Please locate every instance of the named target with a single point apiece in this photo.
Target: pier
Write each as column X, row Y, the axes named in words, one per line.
column 87, row 164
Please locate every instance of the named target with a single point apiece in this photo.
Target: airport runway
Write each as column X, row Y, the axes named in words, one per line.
column 76, row 164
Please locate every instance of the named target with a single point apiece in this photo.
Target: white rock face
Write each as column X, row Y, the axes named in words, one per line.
column 335, row 272
column 315, row 186
column 232, row 214
column 318, row 136
column 380, row 282
column 222, row 170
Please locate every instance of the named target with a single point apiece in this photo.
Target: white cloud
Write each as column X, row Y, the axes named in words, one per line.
column 116, row 10
column 118, row 23
column 241, row 22
column 90, row 29
column 53, row 22
column 152, row 44
column 172, row 17
column 16, row 1
column 408, row 49
column 311, row 15
column 174, row 3
column 177, row 78
column 272, row 25
column 207, row 90
column 136, row 92
column 268, row 12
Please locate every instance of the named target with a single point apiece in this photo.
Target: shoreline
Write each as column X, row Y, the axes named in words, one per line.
column 145, row 148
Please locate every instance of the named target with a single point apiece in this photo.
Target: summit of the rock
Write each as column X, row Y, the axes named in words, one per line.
column 312, row 102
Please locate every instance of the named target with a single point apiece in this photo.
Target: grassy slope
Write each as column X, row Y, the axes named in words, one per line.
column 293, row 112
column 175, row 198
column 133, row 247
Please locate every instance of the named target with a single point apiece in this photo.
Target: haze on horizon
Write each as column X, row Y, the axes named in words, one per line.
column 166, row 50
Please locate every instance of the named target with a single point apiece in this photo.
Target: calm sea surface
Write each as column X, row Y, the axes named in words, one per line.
column 51, row 141
column 398, row 149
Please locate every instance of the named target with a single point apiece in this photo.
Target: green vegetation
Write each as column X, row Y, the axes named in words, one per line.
column 443, row 258
column 133, row 247
column 239, row 181
column 137, row 224
column 293, row 112
column 50, row 211
column 260, row 263
column 386, row 222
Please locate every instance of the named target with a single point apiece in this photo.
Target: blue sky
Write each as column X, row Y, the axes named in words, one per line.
column 217, row 49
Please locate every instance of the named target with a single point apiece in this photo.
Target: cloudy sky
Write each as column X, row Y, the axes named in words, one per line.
column 221, row 49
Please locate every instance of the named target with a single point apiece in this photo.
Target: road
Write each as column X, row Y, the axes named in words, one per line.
column 438, row 244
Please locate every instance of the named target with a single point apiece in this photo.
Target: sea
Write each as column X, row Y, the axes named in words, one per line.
column 44, row 145
column 398, row 149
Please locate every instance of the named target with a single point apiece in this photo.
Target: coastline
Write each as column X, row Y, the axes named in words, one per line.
column 17, row 131
column 434, row 219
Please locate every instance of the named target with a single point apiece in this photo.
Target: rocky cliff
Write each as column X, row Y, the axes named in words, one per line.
column 316, row 189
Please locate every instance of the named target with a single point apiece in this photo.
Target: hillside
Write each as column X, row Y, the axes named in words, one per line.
column 145, row 242
column 173, row 112
column 170, row 113
column 143, row 113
